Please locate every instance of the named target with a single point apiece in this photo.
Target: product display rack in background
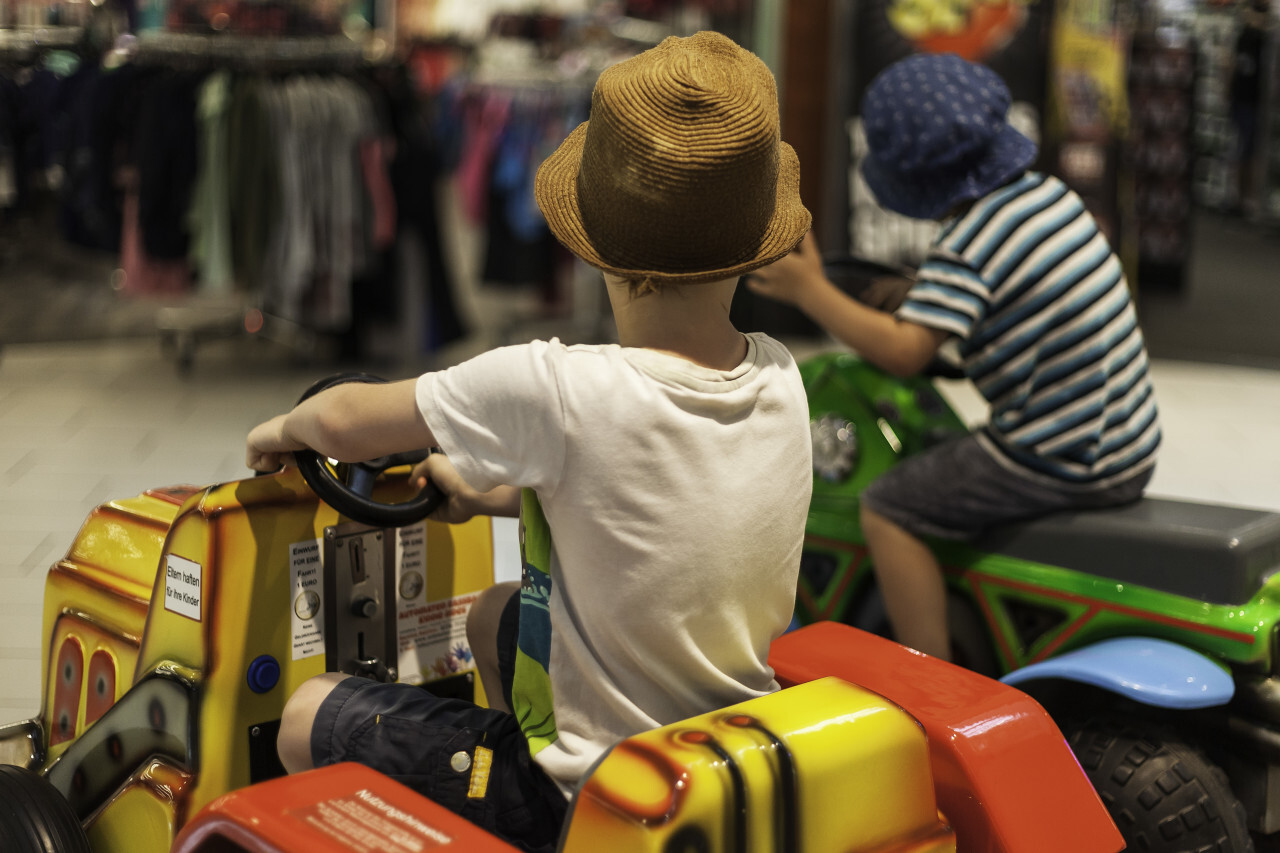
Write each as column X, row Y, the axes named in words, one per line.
column 1161, row 155
column 1213, row 32
column 1011, row 38
column 1269, row 120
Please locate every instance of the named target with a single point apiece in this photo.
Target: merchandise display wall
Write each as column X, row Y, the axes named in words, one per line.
column 383, row 212
column 219, row 176
column 1162, row 155
column 492, row 99
column 1009, row 38
column 1131, row 105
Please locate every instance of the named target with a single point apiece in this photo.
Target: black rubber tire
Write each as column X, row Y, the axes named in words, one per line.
column 1164, row 794
column 35, row 817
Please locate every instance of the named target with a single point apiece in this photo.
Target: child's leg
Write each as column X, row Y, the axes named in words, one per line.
column 910, row 579
column 472, row 760
column 294, row 741
column 482, row 634
column 952, row 491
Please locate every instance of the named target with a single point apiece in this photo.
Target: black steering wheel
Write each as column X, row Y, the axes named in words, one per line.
column 348, row 486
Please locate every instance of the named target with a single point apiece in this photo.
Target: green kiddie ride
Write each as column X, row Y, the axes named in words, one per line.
column 1147, row 631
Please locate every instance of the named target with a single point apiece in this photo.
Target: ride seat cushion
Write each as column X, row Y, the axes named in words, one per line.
column 1212, row 553
column 954, row 489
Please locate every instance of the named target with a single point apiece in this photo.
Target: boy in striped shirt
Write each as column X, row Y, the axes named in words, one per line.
column 1022, row 277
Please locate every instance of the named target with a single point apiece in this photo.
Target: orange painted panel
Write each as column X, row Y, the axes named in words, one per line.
column 101, row 686
column 69, row 675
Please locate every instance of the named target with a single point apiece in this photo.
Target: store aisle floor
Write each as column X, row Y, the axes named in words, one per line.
column 88, row 422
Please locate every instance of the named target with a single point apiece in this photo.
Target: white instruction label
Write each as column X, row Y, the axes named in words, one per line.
column 182, row 586
column 432, row 633
column 307, row 601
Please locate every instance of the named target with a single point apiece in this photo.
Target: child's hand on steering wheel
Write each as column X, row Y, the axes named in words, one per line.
column 462, row 503
column 268, row 447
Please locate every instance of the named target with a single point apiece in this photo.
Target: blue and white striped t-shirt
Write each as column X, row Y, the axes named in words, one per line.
column 1047, row 332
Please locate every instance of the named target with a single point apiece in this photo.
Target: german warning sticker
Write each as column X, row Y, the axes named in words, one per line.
column 182, row 586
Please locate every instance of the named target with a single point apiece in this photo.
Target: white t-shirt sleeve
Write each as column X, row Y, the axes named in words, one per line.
column 499, row 416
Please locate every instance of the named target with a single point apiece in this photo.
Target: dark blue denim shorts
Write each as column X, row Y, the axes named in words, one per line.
column 474, row 761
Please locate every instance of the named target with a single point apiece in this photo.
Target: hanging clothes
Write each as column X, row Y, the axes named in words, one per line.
column 10, row 167
column 254, row 197
column 165, row 155
column 417, row 168
column 209, row 216
column 508, row 130
column 321, row 241
column 294, row 188
column 144, row 273
column 99, row 107
column 33, row 135
column 484, row 119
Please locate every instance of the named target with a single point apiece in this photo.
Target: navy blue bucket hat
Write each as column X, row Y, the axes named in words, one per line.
column 938, row 135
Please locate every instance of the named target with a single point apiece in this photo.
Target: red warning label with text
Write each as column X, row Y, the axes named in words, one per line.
column 366, row 823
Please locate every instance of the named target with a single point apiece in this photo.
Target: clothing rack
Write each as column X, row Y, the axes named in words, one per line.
column 534, row 81
column 258, row 53
column 183, row 328
column 26, row 44
column 571, row 303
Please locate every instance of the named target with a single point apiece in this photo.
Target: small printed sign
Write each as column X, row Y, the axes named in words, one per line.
column 182, row 586
column 306, row 614
column 432, row 633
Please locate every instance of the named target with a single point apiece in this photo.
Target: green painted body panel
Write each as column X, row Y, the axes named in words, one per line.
column 895, row 418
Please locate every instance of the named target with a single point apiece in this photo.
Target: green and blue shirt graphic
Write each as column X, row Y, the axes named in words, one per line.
column 531, row 695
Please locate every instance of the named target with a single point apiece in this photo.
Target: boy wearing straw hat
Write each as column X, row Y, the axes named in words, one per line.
column 1021, row 276
column 662, row 483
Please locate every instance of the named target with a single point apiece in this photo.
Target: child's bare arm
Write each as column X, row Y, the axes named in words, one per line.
column 461, row 501
column 353, row 422
column 894, row 345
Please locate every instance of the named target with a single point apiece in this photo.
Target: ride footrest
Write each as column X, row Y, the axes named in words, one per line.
column 338, row 809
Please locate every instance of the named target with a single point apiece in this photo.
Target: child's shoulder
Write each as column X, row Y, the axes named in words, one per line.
column 1020, row 185
column 612, row 364
column 999, row 214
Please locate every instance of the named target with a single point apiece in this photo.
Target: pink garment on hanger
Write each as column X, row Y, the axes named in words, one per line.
column 484, row 119
column 374, row 155
column 144, row 275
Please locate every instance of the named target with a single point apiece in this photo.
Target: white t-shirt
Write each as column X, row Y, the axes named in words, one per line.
column 676, row 498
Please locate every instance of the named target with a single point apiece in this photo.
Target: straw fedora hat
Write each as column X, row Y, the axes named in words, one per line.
column 680, row 175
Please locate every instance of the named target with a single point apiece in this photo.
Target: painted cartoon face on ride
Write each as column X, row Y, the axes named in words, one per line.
column 973, row 29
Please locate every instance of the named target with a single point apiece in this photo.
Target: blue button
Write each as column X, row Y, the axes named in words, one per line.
column 264, row 673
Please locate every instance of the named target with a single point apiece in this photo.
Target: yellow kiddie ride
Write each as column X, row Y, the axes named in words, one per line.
column 180, row 620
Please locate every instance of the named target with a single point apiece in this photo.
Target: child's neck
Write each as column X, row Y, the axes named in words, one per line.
column 689, row 321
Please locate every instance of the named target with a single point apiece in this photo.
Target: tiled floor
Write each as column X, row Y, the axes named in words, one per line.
column 83, row 423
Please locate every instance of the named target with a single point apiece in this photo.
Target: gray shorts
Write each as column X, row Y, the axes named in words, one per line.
column 957, row 491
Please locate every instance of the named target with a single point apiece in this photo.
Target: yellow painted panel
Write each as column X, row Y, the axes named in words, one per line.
column 823, row 766
column 142, row 817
